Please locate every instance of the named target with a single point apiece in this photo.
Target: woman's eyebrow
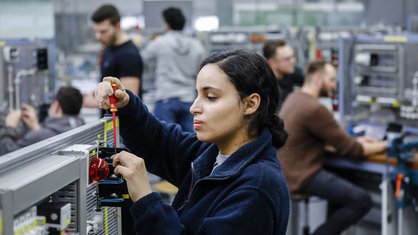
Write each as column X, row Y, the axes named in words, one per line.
column 208, row 88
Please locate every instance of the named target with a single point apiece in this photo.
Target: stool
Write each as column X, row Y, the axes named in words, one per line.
column 305, row 198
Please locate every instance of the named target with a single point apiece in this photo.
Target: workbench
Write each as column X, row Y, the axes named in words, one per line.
column 373, row 175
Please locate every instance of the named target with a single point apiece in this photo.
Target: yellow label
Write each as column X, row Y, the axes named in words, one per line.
column 396, row 104
column 395, row 39
column 125, row 196
column 106, row 220
column 108, row 126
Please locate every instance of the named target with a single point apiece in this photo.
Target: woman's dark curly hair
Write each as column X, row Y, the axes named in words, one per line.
column 250, row 73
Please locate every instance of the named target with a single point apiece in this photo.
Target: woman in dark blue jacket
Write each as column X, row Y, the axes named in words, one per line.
column 227, row 172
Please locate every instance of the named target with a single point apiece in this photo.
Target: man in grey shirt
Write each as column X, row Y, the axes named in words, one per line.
column 177, row 58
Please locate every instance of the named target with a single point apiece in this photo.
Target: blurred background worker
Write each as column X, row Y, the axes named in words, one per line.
column 63, row 115
column 282, row 61
column 177, row 57
column 120, row 57
column 311, row 126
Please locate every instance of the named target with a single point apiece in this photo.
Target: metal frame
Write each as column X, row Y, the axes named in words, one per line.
column 396, row 45
column 33, row 173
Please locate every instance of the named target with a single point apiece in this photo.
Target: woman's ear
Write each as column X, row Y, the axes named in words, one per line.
column 251, row 103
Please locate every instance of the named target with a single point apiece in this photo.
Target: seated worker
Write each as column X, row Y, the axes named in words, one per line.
column 228, row 176
column 282, row 61
column 311, row 127
column 62, row 116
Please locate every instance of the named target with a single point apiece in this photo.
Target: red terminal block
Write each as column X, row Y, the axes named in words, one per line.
column 98, row 170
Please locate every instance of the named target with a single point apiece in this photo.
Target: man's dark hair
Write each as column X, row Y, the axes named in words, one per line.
column 106, row 12
column 174, row 18
column 270, row 46
column 70, row 100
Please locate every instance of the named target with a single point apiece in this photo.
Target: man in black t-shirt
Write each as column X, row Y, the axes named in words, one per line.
column 282, row 61
column 120, row 57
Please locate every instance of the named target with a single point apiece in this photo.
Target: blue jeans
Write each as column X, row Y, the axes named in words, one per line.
column 349, row 202
column 175, row 111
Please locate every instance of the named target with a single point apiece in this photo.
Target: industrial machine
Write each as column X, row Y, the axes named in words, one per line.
column 46, row 186
column 377, row 82
column 404, row 178
column 26, row 74
column 250, row 38
column 378, row 79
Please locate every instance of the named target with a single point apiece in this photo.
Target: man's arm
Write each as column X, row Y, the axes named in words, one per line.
column 89, row 101
column 131, row 83
column 372, row 146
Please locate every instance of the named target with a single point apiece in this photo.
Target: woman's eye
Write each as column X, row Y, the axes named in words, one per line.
column 211, row 98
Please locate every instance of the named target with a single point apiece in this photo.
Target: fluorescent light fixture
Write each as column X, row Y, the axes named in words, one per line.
column 206, row 23
column 129, row 22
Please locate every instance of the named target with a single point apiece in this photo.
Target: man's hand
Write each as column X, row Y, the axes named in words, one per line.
column 13, row 118
column 30, row 117
column 366, row 139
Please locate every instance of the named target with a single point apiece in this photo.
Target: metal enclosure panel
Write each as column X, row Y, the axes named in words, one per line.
column 31, row 183
column 385, row 86
column 21, row 78
column 52, row 167
column 86, row 134
column 39, row 179
column 2, row 84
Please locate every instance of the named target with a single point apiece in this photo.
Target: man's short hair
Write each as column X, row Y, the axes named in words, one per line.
column 315, row 67
column 174, row 18
column 270, row 46
column 106, row 12
column 70, row 100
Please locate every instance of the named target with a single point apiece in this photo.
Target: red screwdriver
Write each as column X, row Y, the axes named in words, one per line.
column 113, row 110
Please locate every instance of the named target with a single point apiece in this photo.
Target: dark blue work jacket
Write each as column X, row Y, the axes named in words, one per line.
column 246, row 194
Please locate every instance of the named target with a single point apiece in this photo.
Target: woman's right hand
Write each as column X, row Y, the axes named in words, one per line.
column 104, row 91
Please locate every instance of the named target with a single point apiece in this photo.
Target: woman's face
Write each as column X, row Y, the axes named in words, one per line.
column 218, row 111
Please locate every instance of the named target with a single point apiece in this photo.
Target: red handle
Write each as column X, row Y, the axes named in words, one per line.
column 113, row 99
column 399, row 178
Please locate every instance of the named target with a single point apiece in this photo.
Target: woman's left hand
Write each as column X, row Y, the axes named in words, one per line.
column 133, row 170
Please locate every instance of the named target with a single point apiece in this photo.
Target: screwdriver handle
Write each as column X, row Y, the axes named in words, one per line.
column 113, row 99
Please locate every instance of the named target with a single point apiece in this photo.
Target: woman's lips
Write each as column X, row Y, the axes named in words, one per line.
column 197, row 124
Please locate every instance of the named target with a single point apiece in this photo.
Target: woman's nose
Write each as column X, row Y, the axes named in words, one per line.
column 194, row 108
